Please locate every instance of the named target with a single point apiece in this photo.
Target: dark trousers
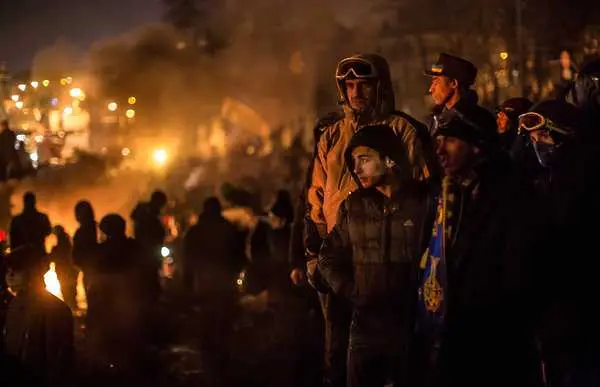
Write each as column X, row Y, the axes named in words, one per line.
column 337, row 314
column 375, row 367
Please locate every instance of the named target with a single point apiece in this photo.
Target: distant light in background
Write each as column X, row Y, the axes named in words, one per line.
column 180, row 45
column 46, row 83
column 39, row 138
column 69, row 80
column 130, row 113
column 64, row 82
column 132, row 100
column 504, row 55
column 112, row 106
column 34, row 157
column 76, row 103
column 19, row 104
column 21, row 137
column 15, row 97
column 125, row 152
column 35, row 84
column 54, row 102
column 76, row 92
column 22, row 87
column 165, row 251
column 160, row 156
column 68, row 111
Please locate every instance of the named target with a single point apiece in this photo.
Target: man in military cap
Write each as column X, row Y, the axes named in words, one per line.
column 451, row 81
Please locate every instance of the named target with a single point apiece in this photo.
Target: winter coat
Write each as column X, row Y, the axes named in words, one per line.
column 492, row 263
column 331, row 182
column 371, row 259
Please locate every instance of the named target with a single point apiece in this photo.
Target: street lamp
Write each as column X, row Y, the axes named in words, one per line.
column 22, row 87
column 132, row 100
column 19, row 104
column 130, row 113
column 15, row 97
column 35, row 84
column 112, row 106
column 46, row 83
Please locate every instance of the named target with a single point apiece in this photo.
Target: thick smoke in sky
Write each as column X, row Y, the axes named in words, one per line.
column 278, row 57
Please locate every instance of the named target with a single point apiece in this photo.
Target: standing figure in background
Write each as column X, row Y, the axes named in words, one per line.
column 61, row 255
column 85, row 241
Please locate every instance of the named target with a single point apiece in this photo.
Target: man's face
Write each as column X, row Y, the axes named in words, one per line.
column 361, row 94
column 502, row 122
column 368, row 166
column 442, row 89
column 454, row 155
column 541, row 136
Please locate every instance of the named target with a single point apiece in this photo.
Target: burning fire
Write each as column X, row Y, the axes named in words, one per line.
column 51, row 281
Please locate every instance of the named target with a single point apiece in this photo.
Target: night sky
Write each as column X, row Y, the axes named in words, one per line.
column 26, row 26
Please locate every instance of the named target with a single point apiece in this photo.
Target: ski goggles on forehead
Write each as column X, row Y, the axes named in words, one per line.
column 530, row 122
column 356, row 67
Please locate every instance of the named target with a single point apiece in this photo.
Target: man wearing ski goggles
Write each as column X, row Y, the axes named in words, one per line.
column 545, row 135
column 358, row 79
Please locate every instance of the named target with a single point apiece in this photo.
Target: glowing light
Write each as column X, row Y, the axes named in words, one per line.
column 504, row 55
column 22, row 87
column 165, row 251
column 160, row 157
column 132, row 100
column 76, row 92
column 46, row 83
column 125, row 152
column 34, row 157
column 21, row 137
column 19, row 104
column 15, row 97
column 69, row 80
column 130, row 113
column 54, row 101
column 68, row 111
column 112, row 106
column 63, row 82
column 39, row 138
column 52, row 283
column 35, row 84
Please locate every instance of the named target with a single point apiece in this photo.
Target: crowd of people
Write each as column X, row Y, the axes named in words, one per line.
column 453, row 251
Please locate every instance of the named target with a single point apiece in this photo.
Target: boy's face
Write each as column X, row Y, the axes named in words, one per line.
column 368, row 166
